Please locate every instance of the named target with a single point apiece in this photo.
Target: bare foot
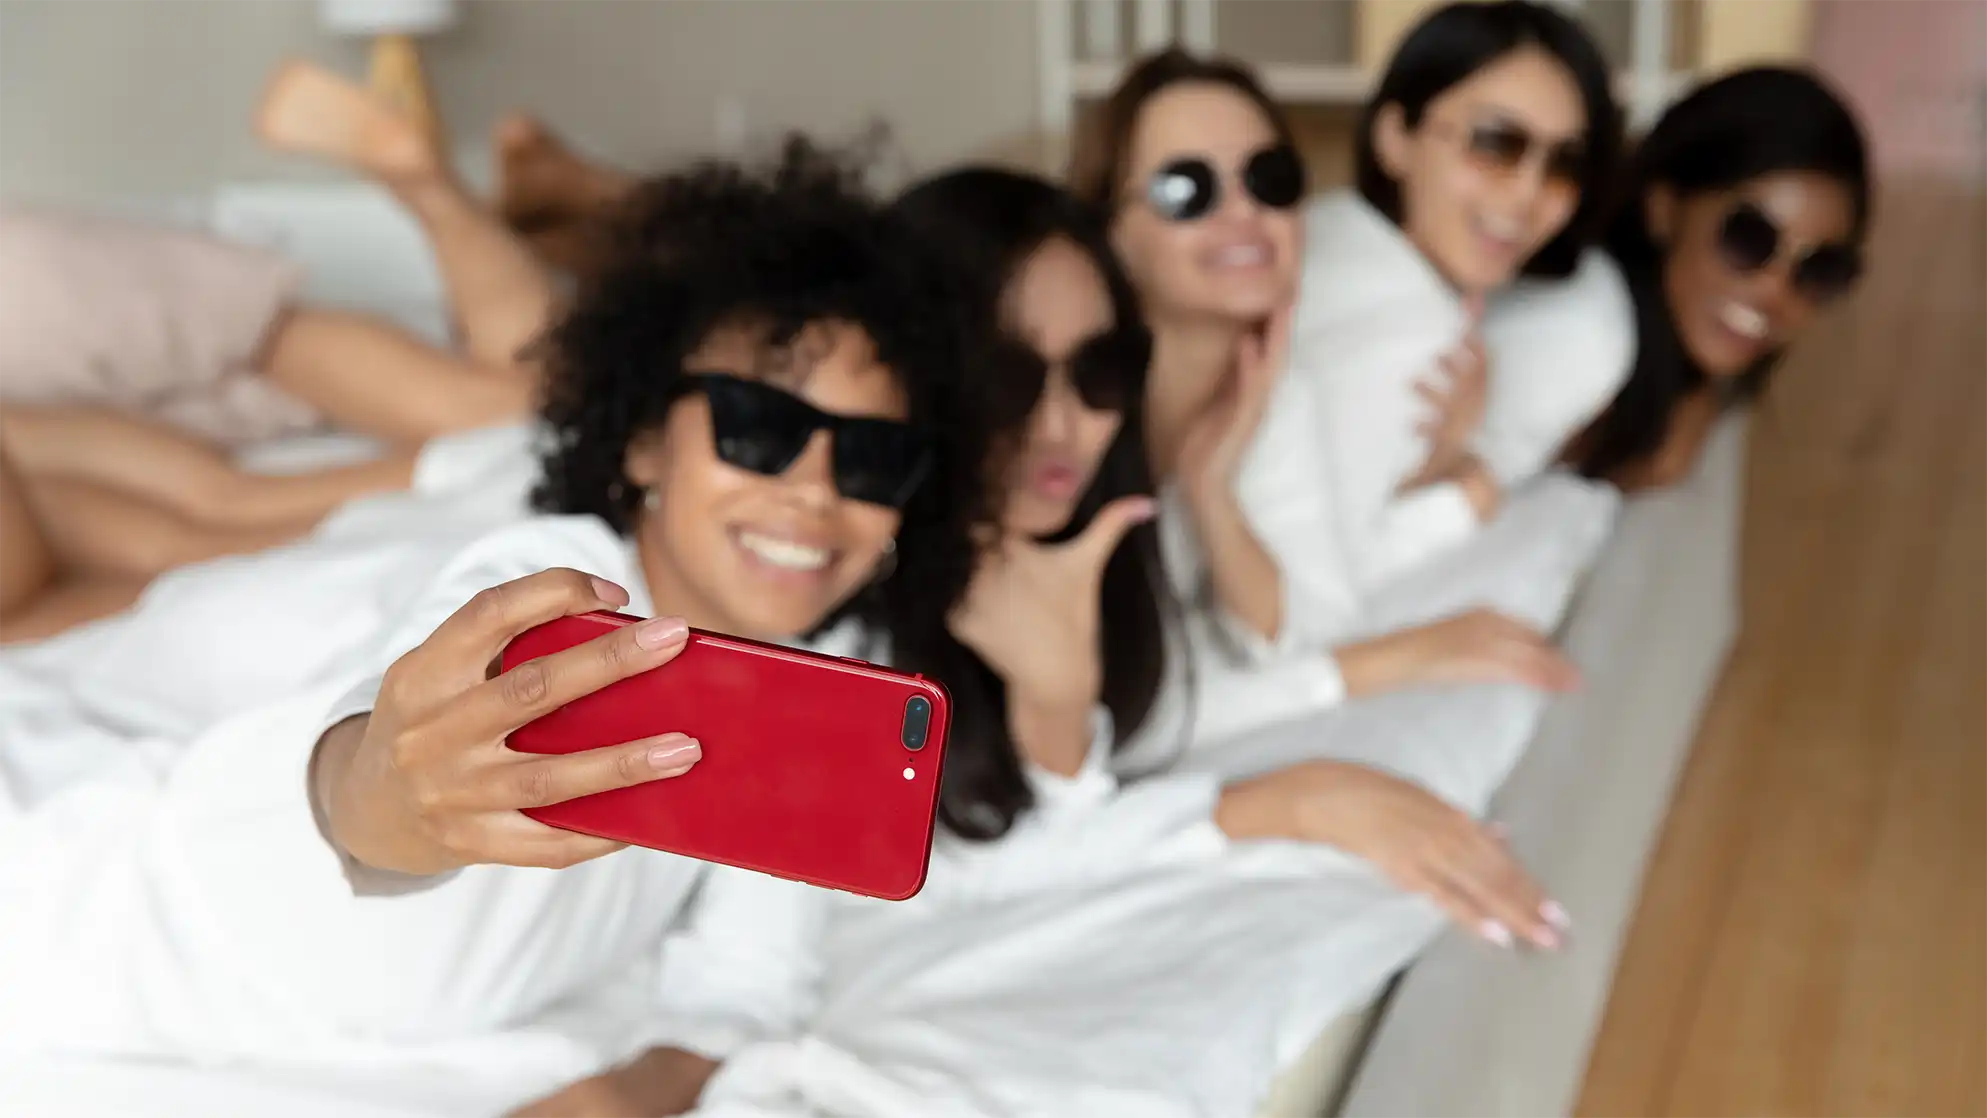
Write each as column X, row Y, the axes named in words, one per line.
column 541, row 182
column 311, row 111
column 577, row 248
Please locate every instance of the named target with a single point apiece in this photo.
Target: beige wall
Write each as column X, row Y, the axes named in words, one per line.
column 142, row 99
column 1285, row 30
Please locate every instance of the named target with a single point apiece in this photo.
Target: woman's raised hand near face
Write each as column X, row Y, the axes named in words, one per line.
column 426, row 783
column 1031, row 611
column 1212, row 450
column 1456, row 399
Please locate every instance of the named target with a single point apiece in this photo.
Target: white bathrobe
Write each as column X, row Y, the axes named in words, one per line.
column 165, row 894
column 169, row 898
column 1320, row 483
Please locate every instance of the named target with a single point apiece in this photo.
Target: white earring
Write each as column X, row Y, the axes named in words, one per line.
column 651, row 500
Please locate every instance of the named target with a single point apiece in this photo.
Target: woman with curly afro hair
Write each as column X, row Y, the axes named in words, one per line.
column 743, row 408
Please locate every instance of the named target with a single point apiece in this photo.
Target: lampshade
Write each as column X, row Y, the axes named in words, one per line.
column 386, row 17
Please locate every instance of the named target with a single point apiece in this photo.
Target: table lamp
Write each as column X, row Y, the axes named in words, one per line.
column 395, row 68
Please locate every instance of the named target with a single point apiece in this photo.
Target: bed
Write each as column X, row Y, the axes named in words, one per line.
column 1650, row 629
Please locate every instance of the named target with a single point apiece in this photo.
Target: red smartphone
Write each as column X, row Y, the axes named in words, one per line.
column 821, row 769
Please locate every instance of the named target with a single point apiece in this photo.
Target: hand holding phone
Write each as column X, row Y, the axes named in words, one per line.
column 817, row 768
column 423, row 784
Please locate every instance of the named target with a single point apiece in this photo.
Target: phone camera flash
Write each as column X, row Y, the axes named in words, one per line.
column 910, row 773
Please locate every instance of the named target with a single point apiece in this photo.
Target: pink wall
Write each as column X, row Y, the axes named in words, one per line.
column 1916, row 71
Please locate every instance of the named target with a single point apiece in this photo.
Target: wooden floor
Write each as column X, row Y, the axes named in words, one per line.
column 1812, row 935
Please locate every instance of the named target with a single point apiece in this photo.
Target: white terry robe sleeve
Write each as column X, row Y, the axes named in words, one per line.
column 200, row 915
column 1560, row 350
column 746, row 967
column 1085, row 829
column 1320, row 484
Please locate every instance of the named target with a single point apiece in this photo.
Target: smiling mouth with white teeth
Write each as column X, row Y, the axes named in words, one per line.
column 1506, row 234
column 1747, row 322
column 1249, row 254
column 783, row 554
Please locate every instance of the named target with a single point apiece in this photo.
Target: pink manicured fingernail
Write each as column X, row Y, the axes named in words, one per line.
column 1496, row 932
column 607, row 591
column 675, row 755
column 661, row 632
column 1546, row 938
column 1555, row 914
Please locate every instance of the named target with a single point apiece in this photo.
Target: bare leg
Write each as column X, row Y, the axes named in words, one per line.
column 180, row 476
column 27, row 565
column 501, row 300
column 367, row 376
column 68, row 604
column 556, row 200
column 96, row 532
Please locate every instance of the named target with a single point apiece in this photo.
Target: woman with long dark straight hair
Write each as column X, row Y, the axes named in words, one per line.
column 1743, row 214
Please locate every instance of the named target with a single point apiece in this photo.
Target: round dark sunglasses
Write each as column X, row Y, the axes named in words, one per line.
column 1502, row 147
column 1190, row 188
column 760, row 428
column 1749, row 240
column 1107, row 370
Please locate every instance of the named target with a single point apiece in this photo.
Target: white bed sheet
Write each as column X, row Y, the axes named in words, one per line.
column 64, row 1088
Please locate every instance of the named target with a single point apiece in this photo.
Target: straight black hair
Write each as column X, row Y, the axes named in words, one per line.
column 986, row 222
column 1745, row 125
column 1457, row 40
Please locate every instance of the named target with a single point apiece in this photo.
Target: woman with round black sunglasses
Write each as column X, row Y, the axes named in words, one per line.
column 1743, row 215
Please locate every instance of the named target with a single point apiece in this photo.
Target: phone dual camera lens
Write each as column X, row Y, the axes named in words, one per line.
column 917, row 722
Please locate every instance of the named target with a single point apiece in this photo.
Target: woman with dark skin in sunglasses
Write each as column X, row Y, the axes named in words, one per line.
column 740, row 410
column 1474, row 155
column 1055, row 660
column 1744, row 215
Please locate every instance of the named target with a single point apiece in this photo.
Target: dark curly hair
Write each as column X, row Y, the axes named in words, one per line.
column 988, row 222
column 778, row 247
